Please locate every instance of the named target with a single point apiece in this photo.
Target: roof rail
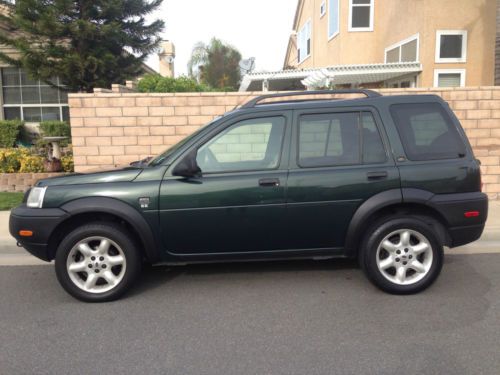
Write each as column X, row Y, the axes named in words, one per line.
column 369, row 94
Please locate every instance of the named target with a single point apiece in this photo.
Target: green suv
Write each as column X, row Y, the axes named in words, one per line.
column 388, row 180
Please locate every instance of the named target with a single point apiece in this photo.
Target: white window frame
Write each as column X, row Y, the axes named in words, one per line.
column 322, row 9
column 330, row 37
column 400, row 44
column 309, row 21
column 462, row 59
column 360, row 29
column 462, row 73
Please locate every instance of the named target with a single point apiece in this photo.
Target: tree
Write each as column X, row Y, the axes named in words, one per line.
column 86, row 43
column 216, row 65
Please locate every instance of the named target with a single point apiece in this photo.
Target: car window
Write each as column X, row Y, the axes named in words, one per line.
column 332, row 139
column 427, row 131
column 246, row 145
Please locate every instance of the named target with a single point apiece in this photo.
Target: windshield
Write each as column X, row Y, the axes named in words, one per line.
column 169, row 151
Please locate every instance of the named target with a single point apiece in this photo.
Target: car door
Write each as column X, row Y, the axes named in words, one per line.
column 238, row 203
column 339, row 159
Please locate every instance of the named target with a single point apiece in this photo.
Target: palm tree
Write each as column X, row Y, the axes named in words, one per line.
column 216, row 64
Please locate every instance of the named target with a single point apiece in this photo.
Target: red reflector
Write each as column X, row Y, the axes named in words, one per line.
column 471, row 214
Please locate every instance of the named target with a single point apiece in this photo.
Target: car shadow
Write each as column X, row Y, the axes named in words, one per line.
column 154, row 277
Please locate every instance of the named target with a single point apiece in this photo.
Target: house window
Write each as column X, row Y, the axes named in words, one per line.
column 32, row 100
column 361, row 15
column 322, row 9
column 333, row 17
column 451, row 46
column 304, row 42
column 449, row 78
column 404, row 51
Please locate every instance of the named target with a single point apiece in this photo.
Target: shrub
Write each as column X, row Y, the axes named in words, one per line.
column 157, row 83
column 9, row 131
column 31, row 164
column 10, row 160
column 68, row 164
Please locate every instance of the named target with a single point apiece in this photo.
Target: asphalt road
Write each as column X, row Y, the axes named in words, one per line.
column 302, row 317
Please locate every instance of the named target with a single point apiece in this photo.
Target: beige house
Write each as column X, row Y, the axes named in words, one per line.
column 387, row 43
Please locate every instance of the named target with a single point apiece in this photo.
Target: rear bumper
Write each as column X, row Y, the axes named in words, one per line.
column 462, row 230
column 42, row 222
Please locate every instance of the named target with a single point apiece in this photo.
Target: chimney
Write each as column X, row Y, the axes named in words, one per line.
column 167, row 56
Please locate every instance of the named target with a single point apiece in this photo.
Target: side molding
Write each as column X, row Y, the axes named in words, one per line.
column 122, row 210
column 364, row 211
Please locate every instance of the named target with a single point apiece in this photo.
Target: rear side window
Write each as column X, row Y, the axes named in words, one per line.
column 427, row 132
column 334, row 139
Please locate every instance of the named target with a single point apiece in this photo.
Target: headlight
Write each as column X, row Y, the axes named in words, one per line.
column 35, row 198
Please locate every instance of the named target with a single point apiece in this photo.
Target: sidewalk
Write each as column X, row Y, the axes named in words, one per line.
column 10, row 254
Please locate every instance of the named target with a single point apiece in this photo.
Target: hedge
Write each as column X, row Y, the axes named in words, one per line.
column 9, row 131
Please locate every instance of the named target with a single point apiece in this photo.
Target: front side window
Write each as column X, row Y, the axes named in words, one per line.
column 335, row 139
column 247, row 145
column 427, row 132
column 333, row 18
column 451, row 46
column 31, row 100
column 361, row 15
column 304, row 42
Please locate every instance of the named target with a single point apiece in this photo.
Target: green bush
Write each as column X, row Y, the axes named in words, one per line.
column 157, row 83
column 9, row 131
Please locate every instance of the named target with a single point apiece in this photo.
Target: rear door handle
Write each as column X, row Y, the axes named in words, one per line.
column 269, row 182
column 377, row 175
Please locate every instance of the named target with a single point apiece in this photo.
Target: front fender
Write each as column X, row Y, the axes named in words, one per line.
column 120, row 209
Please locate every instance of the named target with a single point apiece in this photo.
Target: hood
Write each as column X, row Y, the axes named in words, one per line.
column 120, row 175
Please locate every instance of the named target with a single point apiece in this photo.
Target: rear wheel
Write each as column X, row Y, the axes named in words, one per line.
column 97, row 262
column 401, row 255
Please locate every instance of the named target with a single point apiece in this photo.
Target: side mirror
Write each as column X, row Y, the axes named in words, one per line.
column 188, row 167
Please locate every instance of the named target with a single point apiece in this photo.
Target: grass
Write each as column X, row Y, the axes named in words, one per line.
column 10, row 200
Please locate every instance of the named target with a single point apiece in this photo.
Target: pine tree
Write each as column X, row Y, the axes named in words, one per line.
column 86, row 43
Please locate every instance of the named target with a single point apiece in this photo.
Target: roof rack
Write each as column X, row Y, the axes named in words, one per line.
column 369, row 94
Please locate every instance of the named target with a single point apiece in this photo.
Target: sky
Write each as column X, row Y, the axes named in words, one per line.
column 257, row 28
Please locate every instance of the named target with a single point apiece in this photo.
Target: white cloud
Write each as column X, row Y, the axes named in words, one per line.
column 257, row 28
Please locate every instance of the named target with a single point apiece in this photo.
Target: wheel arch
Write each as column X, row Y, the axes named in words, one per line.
column 85, row 210
column 412, row 202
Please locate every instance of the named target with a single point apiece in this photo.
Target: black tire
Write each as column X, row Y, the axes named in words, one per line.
column 113, row 232
column 374, row 237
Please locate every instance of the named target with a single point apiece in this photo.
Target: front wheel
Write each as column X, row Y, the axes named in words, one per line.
column 97, row 262
column 402, row 255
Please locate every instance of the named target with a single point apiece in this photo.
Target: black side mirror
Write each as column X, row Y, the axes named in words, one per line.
column 188, row 167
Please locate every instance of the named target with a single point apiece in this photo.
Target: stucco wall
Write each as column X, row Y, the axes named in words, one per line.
column 112, row 129
column 396, row 20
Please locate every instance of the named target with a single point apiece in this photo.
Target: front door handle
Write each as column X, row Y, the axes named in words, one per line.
column 269, row 182
column 377, row 175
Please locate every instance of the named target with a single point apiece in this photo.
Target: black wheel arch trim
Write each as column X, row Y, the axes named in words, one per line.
column 367, row 208
column 122, row 210
column 448, row 207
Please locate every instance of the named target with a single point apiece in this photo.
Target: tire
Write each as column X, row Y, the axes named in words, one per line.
column 105, row 253
column 401, row 255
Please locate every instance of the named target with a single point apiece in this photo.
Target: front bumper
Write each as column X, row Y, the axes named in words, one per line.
column 42, row 222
